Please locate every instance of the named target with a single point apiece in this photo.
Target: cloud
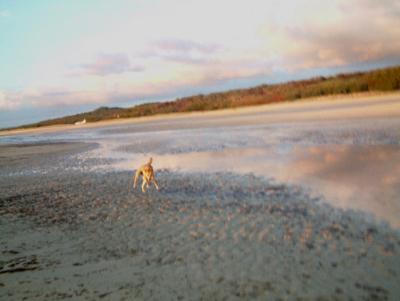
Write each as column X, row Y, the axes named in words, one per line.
column 185, row 46
column 107, row 64
column 337, row 47
column 8, row 102
column 361, row 31
column 113, row 91
column 4, row 103
column 182, row 51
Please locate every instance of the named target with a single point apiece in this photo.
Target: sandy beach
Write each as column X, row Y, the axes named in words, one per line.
column 286, row 202
column 335, row 107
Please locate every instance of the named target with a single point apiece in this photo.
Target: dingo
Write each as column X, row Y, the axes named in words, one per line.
column 147, row 172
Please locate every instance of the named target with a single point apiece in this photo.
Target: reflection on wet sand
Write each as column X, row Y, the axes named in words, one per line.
column 356, row 177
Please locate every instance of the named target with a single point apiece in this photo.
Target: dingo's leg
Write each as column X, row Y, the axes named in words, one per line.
column 155, row 182
column 144, row 183
column 135, row 178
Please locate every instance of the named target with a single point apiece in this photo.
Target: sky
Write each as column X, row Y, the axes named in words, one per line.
column 60, row 57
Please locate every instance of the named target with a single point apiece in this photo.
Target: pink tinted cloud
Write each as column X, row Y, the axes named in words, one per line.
column 182, row 51
column 107, row 64
column 176, row 45
column 366, row 31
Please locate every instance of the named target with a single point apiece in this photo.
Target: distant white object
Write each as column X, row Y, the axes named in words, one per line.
column 81, row 122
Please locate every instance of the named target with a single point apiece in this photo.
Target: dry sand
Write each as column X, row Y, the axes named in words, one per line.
column 68, row 232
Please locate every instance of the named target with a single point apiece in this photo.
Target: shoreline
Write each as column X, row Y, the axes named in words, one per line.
column 307, row 103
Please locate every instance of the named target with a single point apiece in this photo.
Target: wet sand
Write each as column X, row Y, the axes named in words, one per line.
column 357, row 177
column 221, row 229
column 85, row 235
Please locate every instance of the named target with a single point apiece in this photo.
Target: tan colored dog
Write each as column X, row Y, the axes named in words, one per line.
column 147, row 172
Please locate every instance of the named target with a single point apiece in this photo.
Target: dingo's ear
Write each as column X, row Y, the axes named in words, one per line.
column 150, row 160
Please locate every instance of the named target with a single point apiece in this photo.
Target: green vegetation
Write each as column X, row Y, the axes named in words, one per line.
column 387, row 79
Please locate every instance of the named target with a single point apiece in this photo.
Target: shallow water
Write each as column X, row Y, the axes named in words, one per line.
column 347, row 176
column 352, row 165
